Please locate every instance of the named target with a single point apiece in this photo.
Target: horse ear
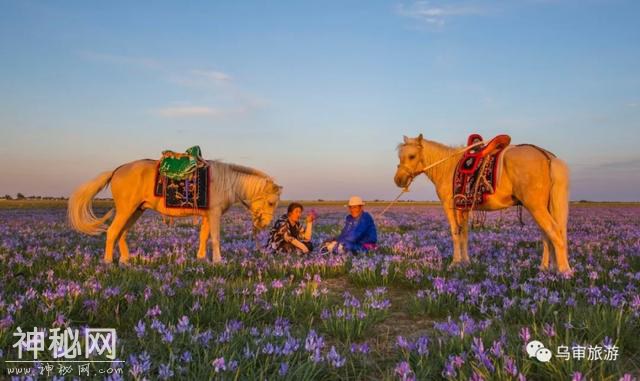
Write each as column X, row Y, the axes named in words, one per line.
column 275, row 187
column 406, row 139
column 419, row 138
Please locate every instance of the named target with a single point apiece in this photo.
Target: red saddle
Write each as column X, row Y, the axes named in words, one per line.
column 471, row 186
column 471, row 159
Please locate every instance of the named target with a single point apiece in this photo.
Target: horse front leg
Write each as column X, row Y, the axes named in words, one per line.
column 455, row 233
column 214, row 229
column 548, row 256
column 204, row 238
column 463, row 220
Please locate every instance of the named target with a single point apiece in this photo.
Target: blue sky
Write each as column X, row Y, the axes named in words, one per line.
column 316, row 94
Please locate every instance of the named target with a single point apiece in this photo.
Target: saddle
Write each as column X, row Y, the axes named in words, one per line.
column 476, row 174
column 178, row 165
column 182, row 179
column 472, row 158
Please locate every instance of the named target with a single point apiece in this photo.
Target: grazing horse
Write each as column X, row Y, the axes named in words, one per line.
column 132, row 187
column 530, row 176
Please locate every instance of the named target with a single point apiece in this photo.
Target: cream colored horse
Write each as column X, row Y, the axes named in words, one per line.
column 530, row 176
column 132, row 186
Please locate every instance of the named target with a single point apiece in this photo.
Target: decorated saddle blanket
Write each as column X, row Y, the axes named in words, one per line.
column 477, row 172
column 177, row 165
column 183, row 180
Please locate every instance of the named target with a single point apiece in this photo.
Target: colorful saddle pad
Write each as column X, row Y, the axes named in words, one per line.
column 476, row 175
column 182, row 179
column 178, row 166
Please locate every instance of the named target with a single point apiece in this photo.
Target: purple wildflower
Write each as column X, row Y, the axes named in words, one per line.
column 219, row 364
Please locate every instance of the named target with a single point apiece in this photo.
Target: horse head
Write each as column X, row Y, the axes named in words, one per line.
column 264, row 204
column 411, row 161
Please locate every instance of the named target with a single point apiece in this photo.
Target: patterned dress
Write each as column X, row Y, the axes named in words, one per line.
column 283, row 233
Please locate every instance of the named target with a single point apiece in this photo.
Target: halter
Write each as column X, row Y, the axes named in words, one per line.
column 257, row 215
column 411, row 171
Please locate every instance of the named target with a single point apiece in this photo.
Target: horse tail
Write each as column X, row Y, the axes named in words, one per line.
column 559, row 194
column 80, row 211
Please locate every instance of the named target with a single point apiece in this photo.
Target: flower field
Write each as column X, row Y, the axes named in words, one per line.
column 398, row 313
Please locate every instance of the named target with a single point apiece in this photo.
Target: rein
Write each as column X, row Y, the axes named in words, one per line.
column 434, row 164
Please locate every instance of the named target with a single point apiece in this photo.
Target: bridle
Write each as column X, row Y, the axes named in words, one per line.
column 257, row 215
column 412, row 172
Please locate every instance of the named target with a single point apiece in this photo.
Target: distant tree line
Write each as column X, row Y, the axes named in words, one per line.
column 20, row 196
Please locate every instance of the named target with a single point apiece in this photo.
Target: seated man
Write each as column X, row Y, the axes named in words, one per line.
column 359, row 232
column 287, row 234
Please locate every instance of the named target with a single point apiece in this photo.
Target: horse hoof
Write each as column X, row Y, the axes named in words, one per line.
column 454, row 265
column 566, row 273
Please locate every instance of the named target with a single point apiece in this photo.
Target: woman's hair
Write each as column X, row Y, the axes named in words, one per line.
column 293, row 206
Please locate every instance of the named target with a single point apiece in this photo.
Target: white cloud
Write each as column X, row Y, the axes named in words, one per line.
column 188, row 111
column 213, row 75
column 215, row 92
column 437, row 13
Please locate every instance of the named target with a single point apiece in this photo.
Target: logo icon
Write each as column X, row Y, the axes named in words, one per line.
column 536, row 349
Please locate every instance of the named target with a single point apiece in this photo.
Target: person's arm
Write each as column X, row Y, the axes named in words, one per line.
column 300, row 246
column 308, row 231
column 373, row 231
column 362, row 229
column 346, row 230
column 294, row 240
column 357, row 232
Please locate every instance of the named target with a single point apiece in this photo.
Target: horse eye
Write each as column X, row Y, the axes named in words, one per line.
column 411, row 157
column 271, row 203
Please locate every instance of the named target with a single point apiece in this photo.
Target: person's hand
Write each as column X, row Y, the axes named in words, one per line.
column 311, row 216
column 331, row 245
column 301, row 246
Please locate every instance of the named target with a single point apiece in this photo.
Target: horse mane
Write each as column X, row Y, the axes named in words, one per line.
column 229, row 177
column 248, row 171
column 431, row 143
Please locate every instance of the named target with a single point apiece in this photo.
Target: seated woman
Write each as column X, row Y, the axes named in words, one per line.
column 287, row 234
column 359, row 232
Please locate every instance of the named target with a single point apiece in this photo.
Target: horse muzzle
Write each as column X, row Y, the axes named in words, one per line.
column 403, row 177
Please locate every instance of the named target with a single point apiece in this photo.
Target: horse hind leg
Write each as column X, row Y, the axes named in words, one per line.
column 559, row 208
column 114, row 231
column 122, row 243
column 554, row 234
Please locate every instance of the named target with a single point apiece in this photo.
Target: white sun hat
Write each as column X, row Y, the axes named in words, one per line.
column 355, row 201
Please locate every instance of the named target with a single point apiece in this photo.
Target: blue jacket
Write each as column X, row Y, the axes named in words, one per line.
column 358, row 231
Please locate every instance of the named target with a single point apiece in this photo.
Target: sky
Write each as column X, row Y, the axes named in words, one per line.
column 316, row 94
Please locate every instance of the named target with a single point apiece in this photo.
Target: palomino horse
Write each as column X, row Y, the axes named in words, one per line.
column 530, row 176
column 132, row 186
